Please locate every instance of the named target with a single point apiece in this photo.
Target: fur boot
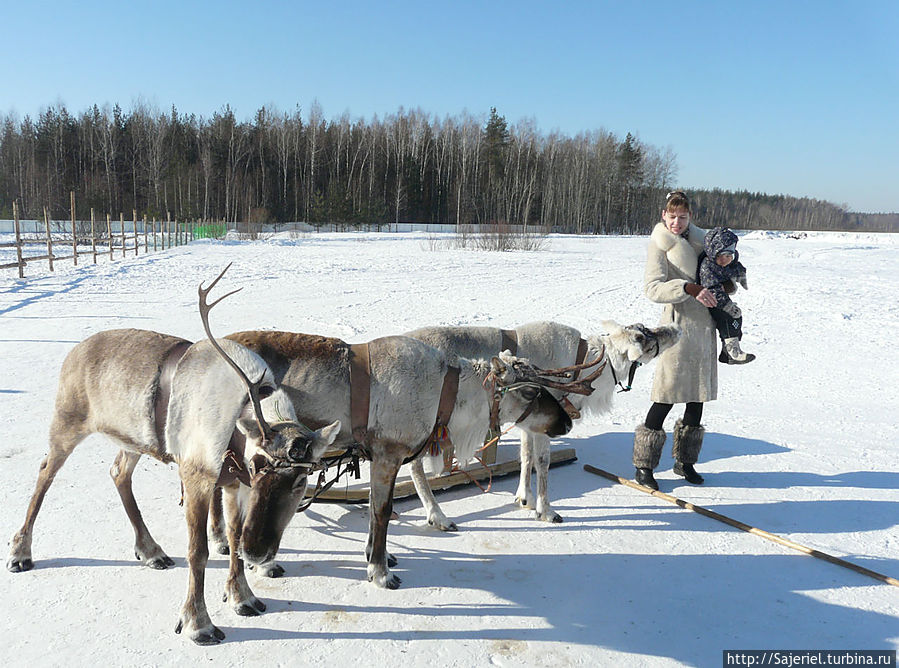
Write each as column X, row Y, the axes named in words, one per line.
column 731, row 353
column 687, row 444
column 647, row 453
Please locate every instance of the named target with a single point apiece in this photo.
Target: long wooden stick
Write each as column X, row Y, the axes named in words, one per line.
column 744, row 527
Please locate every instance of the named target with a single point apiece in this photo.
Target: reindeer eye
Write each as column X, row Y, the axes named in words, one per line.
column 529, row 393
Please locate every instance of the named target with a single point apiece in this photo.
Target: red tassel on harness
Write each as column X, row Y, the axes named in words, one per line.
column 439, row 436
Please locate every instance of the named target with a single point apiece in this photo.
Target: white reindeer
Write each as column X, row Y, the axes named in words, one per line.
column 162, row 396
column 406, row 381
column 550, row 344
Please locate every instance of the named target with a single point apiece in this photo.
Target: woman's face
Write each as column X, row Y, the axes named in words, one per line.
column 676, row 221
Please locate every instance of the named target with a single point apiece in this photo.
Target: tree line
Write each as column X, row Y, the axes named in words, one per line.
column 409, row 166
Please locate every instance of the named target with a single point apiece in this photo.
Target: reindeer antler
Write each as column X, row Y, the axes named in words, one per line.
column 252, row 388
column 580, row 386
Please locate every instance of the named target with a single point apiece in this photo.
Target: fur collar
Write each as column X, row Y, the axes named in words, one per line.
column 681, row 252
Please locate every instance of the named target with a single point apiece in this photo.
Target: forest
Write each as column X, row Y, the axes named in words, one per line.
column 409, row 166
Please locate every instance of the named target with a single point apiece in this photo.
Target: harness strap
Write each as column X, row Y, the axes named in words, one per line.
column 509, row 341
column 233, row 468
column 579, row 358
column 360, row 390
column 445, row 407
column 164, row 387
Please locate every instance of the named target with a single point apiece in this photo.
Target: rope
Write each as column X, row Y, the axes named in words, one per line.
column 745, row 527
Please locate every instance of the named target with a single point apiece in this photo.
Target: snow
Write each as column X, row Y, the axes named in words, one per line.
column 801, row 443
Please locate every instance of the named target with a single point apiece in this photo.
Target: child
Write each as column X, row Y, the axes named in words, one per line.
column 719, row 268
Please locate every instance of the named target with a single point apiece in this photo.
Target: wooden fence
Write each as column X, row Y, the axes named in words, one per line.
column 98, row 238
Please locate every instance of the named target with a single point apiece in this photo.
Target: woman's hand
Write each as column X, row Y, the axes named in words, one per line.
column 702, row 295
column 706, row 298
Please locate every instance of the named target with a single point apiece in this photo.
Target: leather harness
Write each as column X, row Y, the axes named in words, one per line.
column 360, row 400
column 509, row 341
column 566, row 404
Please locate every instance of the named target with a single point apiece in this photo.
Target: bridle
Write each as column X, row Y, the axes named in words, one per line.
column 651, row 336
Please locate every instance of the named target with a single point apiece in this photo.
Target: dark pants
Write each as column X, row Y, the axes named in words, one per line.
column 727, row 326
column 658, row 412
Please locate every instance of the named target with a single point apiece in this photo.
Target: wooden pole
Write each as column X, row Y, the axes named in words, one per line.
column 49, row 240
column 15, row 215
column 109, row 234
column 146, row 242
column 74, row 234
column 94, row 234
column 154, row 234
column 134, row 228
column 168, row 222
column 122, row 230
column 744, row 527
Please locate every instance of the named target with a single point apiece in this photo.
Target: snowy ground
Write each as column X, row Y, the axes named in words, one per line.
column 802, row 443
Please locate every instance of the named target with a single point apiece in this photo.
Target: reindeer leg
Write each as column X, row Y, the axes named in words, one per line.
column 63, row 439
column 542, row 458
column 383, row 479
column 436, row 518
column 523, row 496
column 217, row 523
column 146, row 549
column 194, row 616
column 237, row 589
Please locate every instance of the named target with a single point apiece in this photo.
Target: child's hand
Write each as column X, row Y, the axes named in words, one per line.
column 732, row 310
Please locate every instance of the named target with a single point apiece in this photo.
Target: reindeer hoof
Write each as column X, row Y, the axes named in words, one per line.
column 523, row 502
column 19, row 565
column 443, row 524
column 160, row 563
column 391, row 561
column 268, row 570
column 208, row 637
column 550, row 516
column 251, row 609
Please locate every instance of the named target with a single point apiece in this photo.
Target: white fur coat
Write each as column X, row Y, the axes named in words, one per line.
column 688, row 371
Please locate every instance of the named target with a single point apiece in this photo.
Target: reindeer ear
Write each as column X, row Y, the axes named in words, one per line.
column 498, row 366
column 611, row 326
column 249, row 428
column 324, row 437
column 668, row 335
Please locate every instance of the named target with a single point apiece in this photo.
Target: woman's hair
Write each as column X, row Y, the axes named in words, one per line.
column 677, row 199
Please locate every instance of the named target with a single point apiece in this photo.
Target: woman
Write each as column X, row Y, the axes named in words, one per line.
column 686, row 373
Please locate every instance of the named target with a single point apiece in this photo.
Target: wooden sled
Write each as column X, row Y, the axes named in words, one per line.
column 350, row 490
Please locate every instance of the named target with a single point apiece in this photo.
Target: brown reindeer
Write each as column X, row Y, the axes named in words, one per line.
column 406, row 380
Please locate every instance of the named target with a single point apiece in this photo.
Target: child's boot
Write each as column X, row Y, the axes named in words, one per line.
column 732, row 354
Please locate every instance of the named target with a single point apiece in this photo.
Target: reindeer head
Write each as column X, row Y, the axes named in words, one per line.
column 639, row 343
column 517, row 398
column 279, row 456
column 279, row 488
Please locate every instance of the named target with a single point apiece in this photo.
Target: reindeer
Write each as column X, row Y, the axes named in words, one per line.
column 401, row 396
column 621, row 350
column 162, row 396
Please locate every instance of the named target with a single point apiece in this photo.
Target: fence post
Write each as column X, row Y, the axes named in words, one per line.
column 154, row 234
column 94, row 234
column 168, row 222
column 15, row 215
column 122, row 230
column 109, row 234
column 134, row 228
column 49, row 240
column 146, row 243
column 74, row 234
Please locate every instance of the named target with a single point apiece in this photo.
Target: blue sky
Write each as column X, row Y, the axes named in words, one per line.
column 800, row 98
